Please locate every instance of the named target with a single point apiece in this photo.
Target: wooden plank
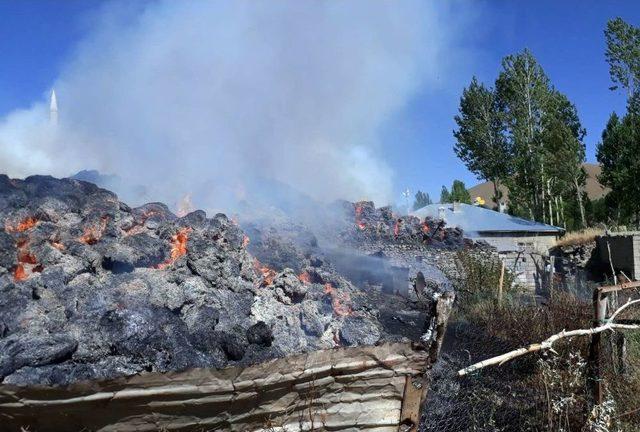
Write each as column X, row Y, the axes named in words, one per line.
column 619, row 287
column 411, row 401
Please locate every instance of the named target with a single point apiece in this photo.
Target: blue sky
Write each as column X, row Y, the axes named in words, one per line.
column 37, row 37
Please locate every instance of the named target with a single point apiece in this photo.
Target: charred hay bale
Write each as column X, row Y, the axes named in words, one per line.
column 358, row 330
column 260, row 334
column 7, row 252
column 17, row 352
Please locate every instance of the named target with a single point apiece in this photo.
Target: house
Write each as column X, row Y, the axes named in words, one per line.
column 523, row 245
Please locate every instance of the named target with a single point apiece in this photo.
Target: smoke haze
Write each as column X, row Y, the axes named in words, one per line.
column 213, row 98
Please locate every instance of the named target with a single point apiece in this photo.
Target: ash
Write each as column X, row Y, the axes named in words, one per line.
column 93, row 289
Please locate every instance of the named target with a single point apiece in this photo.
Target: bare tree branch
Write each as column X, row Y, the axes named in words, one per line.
column 547, row 344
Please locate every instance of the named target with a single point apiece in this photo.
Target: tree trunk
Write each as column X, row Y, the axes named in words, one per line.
column 550, row 202
column 496, row 191
column 583, row 220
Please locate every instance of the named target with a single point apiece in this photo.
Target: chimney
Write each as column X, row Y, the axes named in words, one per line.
column 502, row 207
column 441, row 213
column 456, row 206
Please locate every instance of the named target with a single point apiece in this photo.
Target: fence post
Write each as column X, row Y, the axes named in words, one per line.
column 600, row 314
column 500, row 284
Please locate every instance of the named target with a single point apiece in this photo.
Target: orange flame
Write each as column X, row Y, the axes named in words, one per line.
column 396, row 228
column 305, row 277
column 93, row 234
column 178, row 247
column 27, row 223
column 26, row 261
column 268, row 275
column 359, row 221
column 245, row 240
column 339, row 301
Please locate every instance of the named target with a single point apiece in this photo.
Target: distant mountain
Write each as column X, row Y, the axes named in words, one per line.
column 593, row 187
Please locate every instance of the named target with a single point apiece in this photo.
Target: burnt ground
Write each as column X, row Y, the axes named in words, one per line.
column 91, row 288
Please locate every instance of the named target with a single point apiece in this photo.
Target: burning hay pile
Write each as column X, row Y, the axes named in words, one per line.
column 94, row 289
column 100, row 301
column 382, row 226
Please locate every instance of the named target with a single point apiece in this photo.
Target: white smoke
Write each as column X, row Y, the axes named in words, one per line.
column 212, row 97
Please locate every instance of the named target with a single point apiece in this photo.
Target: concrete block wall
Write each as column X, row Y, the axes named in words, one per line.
column 625, row 252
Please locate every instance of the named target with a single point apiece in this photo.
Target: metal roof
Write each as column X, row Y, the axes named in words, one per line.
column 476, row 219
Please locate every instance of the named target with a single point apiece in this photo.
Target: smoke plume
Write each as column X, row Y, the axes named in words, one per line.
column 214, row 98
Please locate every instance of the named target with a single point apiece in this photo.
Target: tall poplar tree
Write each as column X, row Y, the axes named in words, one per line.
column 619, row 150
column 480, row 142
column 523, row 89
column 623, row 54
column 526, row 135
column 618, row 153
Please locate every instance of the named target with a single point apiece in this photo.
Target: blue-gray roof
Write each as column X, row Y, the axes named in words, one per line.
column 476, row 219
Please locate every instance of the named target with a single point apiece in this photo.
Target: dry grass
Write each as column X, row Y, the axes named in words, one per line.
column 581, row 237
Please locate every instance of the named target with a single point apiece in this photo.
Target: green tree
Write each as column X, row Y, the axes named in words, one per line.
column 459, row 193
column 445, row 196
column 523, row 89
column 480, row 142
column 527, row 135
column 564, row 154
column 619, row 155
column 422, row 199
column 623, row 54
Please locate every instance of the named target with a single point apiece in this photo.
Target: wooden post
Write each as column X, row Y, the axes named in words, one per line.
column 500, row 284
column 552, row 272
column 600, row 314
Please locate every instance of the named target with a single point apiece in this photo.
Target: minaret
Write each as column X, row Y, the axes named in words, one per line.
column 53, row 109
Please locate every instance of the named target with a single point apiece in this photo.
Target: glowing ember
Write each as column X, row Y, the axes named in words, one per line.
column 178, row 247
column 93, row 234
column 23, row 226
column 185, row 206
column 268, row 275
column 245, row 240
column 425, row 227
column 359, row 221
column 138, row 227
column 341, row 302
column 57, row 245
column 396, row 228
column 305, row 277
column 19, row 274
column 26, row 257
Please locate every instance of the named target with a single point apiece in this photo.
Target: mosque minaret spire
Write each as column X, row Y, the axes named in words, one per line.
column 53, row 108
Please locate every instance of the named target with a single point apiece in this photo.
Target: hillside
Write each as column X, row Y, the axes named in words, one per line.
column 593, row 187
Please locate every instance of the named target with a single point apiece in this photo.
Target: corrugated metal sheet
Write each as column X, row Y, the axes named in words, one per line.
column 475, row 219
column 350, row 389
